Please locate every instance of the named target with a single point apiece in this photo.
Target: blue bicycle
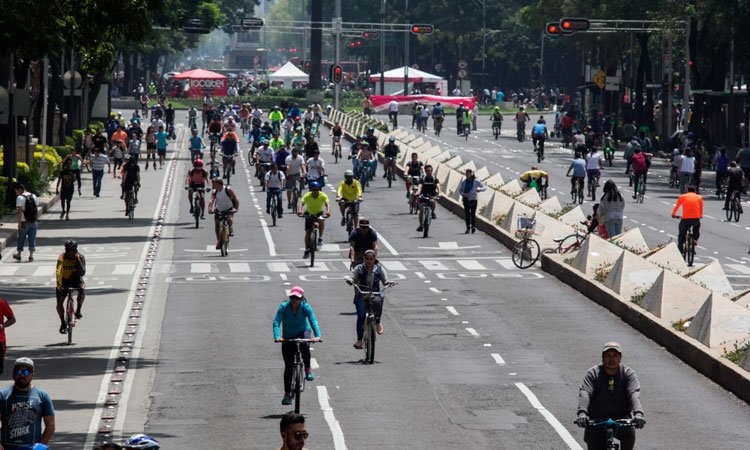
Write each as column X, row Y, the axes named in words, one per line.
column 612, row 426
column 365, row 173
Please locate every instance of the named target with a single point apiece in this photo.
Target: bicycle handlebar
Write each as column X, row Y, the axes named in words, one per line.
column 611, row 423
column 298, row 340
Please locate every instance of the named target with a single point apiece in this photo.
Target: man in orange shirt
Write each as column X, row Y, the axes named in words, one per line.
column 120, row 136
column 692, row 212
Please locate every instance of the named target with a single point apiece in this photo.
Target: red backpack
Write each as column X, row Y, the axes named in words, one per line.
column 639, row 162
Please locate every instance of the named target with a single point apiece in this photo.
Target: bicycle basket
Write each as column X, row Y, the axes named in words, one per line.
column 526, row 223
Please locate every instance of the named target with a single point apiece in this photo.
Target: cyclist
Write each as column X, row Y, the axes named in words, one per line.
column 295, row 171
column 354, row 150
column 263, row 158
column 533, row 178
column 349, row 191
column 196, row 145
column 413, row 168
column 70, row 270
column 307, row 119
column 610, row 390
column 674, row 171
column 213, row 167
column 315, row 168
column 521, row 118
column 276, row 117
column 141, row 442
column 692, row 212
column 293, row 320
column 229, row 126
column 196, row 179
column 280, row 157
column 336, row 132
column 579, row 142
column 390, row 153
column 428, row 191
column 273, row 183
column 687, row 169
column 315, row 205
column 539, row 134
column 722, row 168
column 594, row 165
column 497, row 120
column 298, row 141
column 372, row 142
column 424, row 115
column 131, row 179
column 366, row 160
column 736, row 178
column 244, row 115
column 393, row 112
column 276, row 142
column 310, row 146
column 361, row 239
column 466, row 121
column 438, row 117
column 369, row 276
column 214, row 127
column 639, row 163
column 223, row 200
column 229, row 149
column 578, row 166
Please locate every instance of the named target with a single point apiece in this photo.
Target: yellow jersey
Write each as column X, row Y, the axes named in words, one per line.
column 313, row 205
column 349, row 192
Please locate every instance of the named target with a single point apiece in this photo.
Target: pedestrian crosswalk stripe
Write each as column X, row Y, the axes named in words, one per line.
column 123, row 269
column 44, row 271
column 319, row 267
column 7, row 271
column 393, row 265
column 433, row 265
column 200, row 268
column 741, row 268
column 507, row 264
column 471, row 264
column 239, row 267
column 278, row 267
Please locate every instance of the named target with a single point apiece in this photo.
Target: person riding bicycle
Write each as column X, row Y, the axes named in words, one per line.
column 213, row 167
column 223, row 200
column 521, row 118
column 276, row 142
column 533, row 178
column 393, row 111
column 244, row 115
column 197, row 178
column 361, row 239
column 578, row 167
column 293, row 320
column 639, row 164
column 295, row 171
column 131, row 179
column 390, row 153
column 539, row 134
column 736, row 180
column 692, row 212
column 366, row 159
column 722, row 168
column 214, row 127
column 276, row 117
column 70, row 270
column 298, row 141
column 307, row 119
column 350, row 191
column 594, row 165
column 230, row 149
column 466, row 120
column 315, row 168
column 315, row 205
column 497, row 119
column 337, row 132
column 196, row 145
column 369, row 276
column 428, row 191
column 263, row 158
column 610, row 390
column 141, row 442
column 609, row 145
column 413, row 169
column 273, row 183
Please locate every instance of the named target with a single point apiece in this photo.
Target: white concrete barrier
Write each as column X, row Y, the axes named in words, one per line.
column 669, row 257
column 720, row 323
column 661, row 299
column 595, row 254
column 631, row 275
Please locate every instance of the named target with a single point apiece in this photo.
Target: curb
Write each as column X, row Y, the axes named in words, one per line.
column 8, row 232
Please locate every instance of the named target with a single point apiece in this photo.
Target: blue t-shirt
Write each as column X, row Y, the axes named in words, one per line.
column 500, row 96
column 196, row 142
column 289, row 325
column 280, row 157
column 161, row 139
column 228, row 147
column 539, row 129
column 22, row 414
column 579, row 167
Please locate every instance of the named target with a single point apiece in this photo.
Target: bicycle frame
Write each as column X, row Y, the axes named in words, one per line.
column 298, row 375
column 611, row 427
column 369, row 336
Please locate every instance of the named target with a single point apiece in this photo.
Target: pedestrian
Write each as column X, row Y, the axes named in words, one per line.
column 98, row 161
column 27, row 214
column 150, row 146
column 118, row 153
column 468, row 189
column 7, row 318
column 610, row 390
column 23, row 409
column 161, row 146
column 611, row 207
column 474, row 114
column 76, row 161
column 66, row 187
column 293, row 320
column 293, row 432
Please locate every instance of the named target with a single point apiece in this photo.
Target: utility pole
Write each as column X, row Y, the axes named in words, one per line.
column 686, row 105
column 484, row 41
column 406, row 51
column 382, row 47
column 316, row 43
column 337, row 50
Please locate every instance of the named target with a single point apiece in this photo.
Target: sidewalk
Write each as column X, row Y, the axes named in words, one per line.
column 8, row 224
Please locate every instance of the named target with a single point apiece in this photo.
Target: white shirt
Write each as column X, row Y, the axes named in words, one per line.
column 275, row 180
column 223, row 202
column 21, row 202
column 688, row 164
column 393, row 106
column 265, row 154
column 315, row 167
column 257, row 113
column 594, row 161
column 294, row 165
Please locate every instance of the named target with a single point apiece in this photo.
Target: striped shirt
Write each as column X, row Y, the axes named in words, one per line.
column 98, row 161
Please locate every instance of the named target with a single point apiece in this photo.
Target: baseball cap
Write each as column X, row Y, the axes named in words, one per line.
column 612, row 346
column 24, row 361
column 297, row 292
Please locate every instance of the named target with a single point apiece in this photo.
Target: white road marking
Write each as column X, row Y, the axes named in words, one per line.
column 471, row 264
column 269, row 239
column 387, row 245
column 7, row 271
column 333, row 424
column 435, row 290
column 452, row 310
column 123, row 269
column 319, row 267
column 44, row 271
column 393, row 265
column 314, row 364
column 740, row 268
column 200, row 268
column 239, row 267
column 564, row 434
column 472, row 332
column 419, row 275
column 433, row 265
column 498, row 359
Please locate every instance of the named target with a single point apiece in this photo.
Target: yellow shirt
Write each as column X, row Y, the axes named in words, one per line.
column 314, row 206
column 349, row 192
column 67, row 268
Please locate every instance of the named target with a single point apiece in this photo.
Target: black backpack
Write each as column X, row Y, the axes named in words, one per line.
column 30, row 212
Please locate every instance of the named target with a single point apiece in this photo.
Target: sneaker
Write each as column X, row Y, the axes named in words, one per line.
column 434, row 216
column 343, row 221
column 310, row 376
column 63, row 328
column 203, row 216
column 306, row 254
column 62, row 214
column 218, row 246
column 287, row 400
column 17, row 256
column 231, row 233
column 473, row 230
column 79, row 192
column 407, row 194
column 79, row 315
column 320, row 241
column 192, row 210
column 420, row 228
column 634, row 196
column 268, row 210
column 384, row 176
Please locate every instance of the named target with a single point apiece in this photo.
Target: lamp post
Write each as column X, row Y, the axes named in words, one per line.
column 484, row 53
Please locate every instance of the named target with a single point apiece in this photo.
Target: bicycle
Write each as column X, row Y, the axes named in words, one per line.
column 223, row 232
column 390, row 175
column 591, row 185
column 70, row 314
column 369, row 336
column 496, row 130
column 336, row 148
column 214, row 140
column 611, row 427
column 365, row 174
column 577, row 191
column 639, row 188
column 723, row 186
column 540, row 151
column 294, row 201
column 275, row 193
column 350, row 214
column 609, row 155
column 521, row 133
column 674, row 177
column 526, row 252
column 569, row 243
column 130, row 202
column 735, row 207
column 413, row 198
column 437, row 124
column 298, row 373
column 426, row 209
column 227, row 163
column 313, row 235
column 688, row 246
column 197, row 203
column 466, row 131
column 394, row 120
column 263, row 168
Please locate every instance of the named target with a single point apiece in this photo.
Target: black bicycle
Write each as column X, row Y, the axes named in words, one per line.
column 313, row 234
column 577, row 191
column 370, row 332
column 275, row 194
column 130, row 202
column 735, row 207
column 591, row 185
column 390, row 174
column 298, row 373
column 197, row 211
column 350, row 214
column 426, row 208
column 611, row 427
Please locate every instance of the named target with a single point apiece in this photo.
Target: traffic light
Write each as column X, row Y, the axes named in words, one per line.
column 337, row 74
column 422, row 29
column 553, row 29
column 572, row 25
column 355, row 43
column 371, row 34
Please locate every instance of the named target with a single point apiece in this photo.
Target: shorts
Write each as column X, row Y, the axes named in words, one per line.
column 161, row 151
column 73, row 283
column 593, row 172
column 309, row 220
column 150, row 146
column 291, row 181
column 195, row 186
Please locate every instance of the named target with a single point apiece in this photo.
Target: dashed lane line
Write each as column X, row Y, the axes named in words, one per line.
column 333, row 423
column 559, row 428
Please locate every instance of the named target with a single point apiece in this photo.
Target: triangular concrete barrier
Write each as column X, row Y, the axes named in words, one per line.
column 424, row 148
column 550, row 206
column 416, row 142
column 498, row 206
column 632, row 240
column 443, row 157
column 408, row 139
column 720, row 323
column 548, row 229
column 746, row 362
column 530, row 198
column 511, row 188
column 495, row 181
column 574, row 217
column 455, row 162
column 483, row 199
column 630, row 275
column 743, row 300
column 441, row 172
column 669, row 257
column 661, row 300
column 510, row 223
column 712, row 277
column 467, row 166
column 482, row 173
column 595, row 253
column 430, row 153
column 451, row 185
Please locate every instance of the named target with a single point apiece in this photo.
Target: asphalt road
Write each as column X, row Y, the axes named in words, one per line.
column 476, row 353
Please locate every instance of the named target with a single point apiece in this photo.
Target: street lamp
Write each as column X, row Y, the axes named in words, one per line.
column 484, row 52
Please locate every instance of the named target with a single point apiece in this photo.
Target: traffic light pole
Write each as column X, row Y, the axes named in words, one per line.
column 337, row 51
column 406, row 53
column 382, row 47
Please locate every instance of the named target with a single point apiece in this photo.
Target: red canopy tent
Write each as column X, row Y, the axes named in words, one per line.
column 201, row 82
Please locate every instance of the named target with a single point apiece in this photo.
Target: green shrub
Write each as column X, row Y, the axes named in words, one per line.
column 77, row 138
column 96, row 126
column 33, row 181
column 64, row 150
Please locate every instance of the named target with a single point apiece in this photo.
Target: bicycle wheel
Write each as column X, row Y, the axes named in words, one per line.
column 593, row 191
column 196, row 211
column 730, row 211
column 580, row 194
column 228, row 172
column 224, row 240
column 69, row 319
column 641, row 190
column 313, row 246
column 689, row 250
column 370, row 341
column 736, row 209
column 525, row 253
column 349, row 220
column 574, row 194
column 298, row 387
column 295, row 197
column 273, row 209
column 568, row 244
column 131, row 207
column 389, row 175
column 426, row 222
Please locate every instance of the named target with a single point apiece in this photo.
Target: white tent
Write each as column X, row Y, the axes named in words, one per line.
column 394, row 79
column 289, row 73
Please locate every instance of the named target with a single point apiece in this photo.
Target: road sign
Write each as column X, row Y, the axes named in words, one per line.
column 462, row 74
column 612, row 84
column 196, row 26
column 573, row 24
column 463, row 64
column 423, row 28
column 252, row 23
column 599, row 79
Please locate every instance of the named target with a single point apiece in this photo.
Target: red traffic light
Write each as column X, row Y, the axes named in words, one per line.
column 574, row 24
column 337, row 74
column 553, row 29
column 422, row 29
column 371, row 34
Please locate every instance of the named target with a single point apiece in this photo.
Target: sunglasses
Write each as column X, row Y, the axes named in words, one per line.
column 364, row 224
column 23, row 372
column 301, row 434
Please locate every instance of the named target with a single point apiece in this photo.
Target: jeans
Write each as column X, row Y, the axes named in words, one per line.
column 288, row 350
column 686, row 179
column 470, row 212
column 97, row 176
column 355, row 167
column 279, row 205
column 27, row 230
column 614, row 227
column 377, row 308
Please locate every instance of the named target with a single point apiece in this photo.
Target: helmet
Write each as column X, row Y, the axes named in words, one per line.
column 198, row 162
column 370, row 129
column 314, row 185
column 141, row 441
column 71, row 246
column 497, row 108
column 391, row 139
column 348, row 173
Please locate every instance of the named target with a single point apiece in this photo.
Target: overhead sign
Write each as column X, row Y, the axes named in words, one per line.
column 252, row 23
column 612, row 84
column 599, row 79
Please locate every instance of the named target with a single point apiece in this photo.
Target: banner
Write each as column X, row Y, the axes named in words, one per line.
column 381, row 102
column 216, row 87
